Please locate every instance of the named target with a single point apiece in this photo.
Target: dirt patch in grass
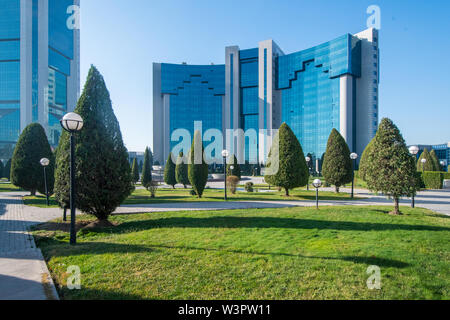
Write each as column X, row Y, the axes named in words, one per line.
column 97, row 224
column 61, row 226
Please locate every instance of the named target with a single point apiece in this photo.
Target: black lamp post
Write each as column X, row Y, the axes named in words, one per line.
column 414, row 150
column 44, row 163
column 353, row 156
column 225, row 156
column 72, row 123
column 317, row 183
column 308, row 159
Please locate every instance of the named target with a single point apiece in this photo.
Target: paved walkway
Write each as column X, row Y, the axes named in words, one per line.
column 23, row 272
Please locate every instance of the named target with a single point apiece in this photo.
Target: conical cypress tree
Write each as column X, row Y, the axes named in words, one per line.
column 147, row 169
column 390, row 168
column 181, row 170
column 7, row 170
column 363, row 162
column 2, row 168
column 169, row 172
column 428, row 165
column 197, row 172
column 236, row 168
column 135, row 171
column 103, row 174
column 435, row 160
column 26, row 170
column 337, row 165
column 287, row 156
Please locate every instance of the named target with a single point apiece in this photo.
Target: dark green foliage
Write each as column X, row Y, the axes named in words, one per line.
column 435, row 160
column 135, row 171
column 2, row 167
column 169, row 172
column 236, row 168
column 446, row 175
column 428, row 166
column 147, row 169
column 286, row 165
column 249, row 186
column 432, row 179
column 337, row 166
column 181, row 170
column 7, row 170
column 102, row 169
column 26, row 170
column 197, row 173
column 389, row 167
column 363, row 163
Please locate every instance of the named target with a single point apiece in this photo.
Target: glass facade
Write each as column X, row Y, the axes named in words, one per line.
column 249, row 104
column 302, row 89
column 196, row 94
column 310, row 85
column 60, row 53
column 9, row 76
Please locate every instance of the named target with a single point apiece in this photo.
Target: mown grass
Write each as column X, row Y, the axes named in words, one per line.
column 6, row 186
column 291, row 253
column 164, row 195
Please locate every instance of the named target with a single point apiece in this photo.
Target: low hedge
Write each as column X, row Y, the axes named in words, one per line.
column 432, row 179
column 446, row 175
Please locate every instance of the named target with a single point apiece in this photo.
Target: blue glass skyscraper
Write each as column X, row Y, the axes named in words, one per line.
column 39, row 67
column 332, row 85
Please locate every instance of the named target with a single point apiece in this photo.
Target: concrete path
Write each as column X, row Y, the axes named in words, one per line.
column 23, row 272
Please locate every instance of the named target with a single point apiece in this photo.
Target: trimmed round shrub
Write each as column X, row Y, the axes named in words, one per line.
column 249, row 187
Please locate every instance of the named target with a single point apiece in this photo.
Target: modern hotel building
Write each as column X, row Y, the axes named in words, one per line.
column 332, row 85
column 39, row 67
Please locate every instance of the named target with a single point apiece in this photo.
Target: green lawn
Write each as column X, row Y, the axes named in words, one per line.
column 291, row 253
column 142, row 196
column 8, row 187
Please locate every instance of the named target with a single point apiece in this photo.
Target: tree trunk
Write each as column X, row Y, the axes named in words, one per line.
column 396, row 207
column 337, row 189
column 33, row 192
column 287, row 192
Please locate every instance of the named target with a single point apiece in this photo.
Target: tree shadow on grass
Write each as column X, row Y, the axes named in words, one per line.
column 63, row 249
column 267, row 222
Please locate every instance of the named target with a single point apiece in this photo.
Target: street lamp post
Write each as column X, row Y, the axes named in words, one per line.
column 353, row 156
column 44, row 163
column 225, row 155
column 423, row 161
column 72, row 123
column 442, row 163
column 414, row 150
column 308, row 159
column 317, row 183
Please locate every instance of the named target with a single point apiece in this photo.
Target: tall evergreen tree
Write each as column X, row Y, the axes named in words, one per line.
column 135, row 171
column 390, row 168
column 435, row 160
column 7, row 170
column 236, row 168
column 147, row 169
column 197, row 172
column 2, row 168
column 337, row 166
column 169, row 172
column 363, row 162
column 102, row 169
column 181, row 170
column 26, row 170
column 286, row 167
column 428, row 165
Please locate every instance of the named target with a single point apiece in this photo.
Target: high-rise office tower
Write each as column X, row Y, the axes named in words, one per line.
column 332, row 85
column 39, row 66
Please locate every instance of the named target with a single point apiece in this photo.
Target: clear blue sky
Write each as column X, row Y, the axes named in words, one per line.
column 123, row 37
